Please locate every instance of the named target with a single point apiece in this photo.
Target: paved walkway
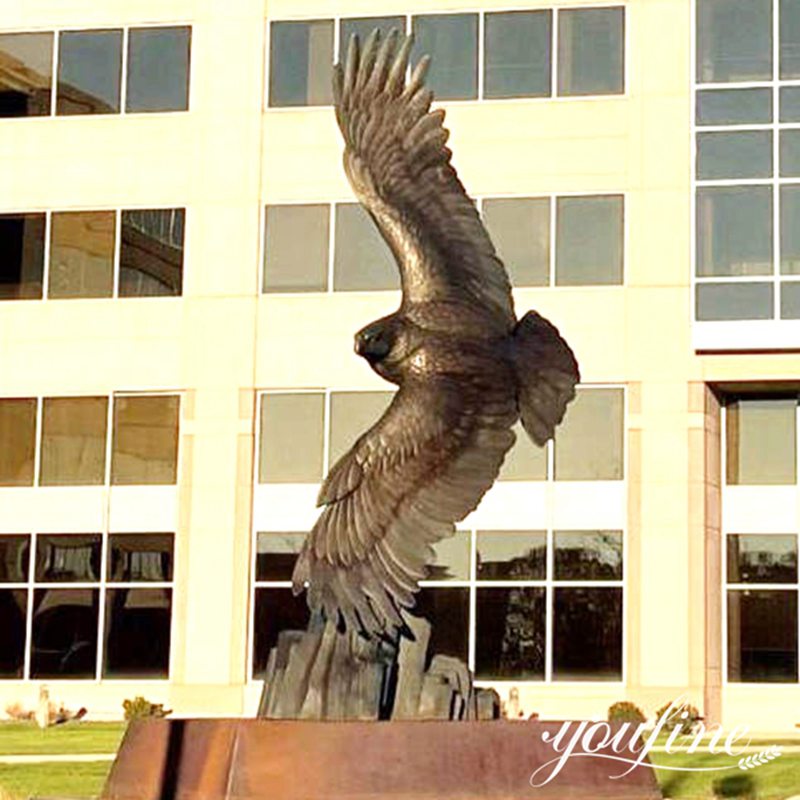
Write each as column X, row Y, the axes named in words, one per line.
column 38, row 758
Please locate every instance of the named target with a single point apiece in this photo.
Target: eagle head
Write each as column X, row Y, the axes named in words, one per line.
column 375, row 341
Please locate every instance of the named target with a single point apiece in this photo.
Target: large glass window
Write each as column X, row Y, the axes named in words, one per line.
column 26, row 75
column 17, row 441
column 301, row 54
column 296, row 248
column 21, row 256
column 362, row 259
column 151, row 252
column 158, row 69
column 363, row 27
column 82, row 254
column 352, row 414
column 591, row 51
column 89, row 71
column 517, row 58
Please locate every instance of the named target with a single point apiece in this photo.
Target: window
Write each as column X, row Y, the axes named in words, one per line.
column 363, row 27
column 61, row 603
column 158, row 69
column 591, row 51
column 26, row 75
column 17, row 441
column 301, row 54
column 82, row 254
column 296, row 248
column 89, row 70
column 21, row 256
column 362, row 260
column 151, row 253
column 517, row 58
column 452, row 42
column 351, row 414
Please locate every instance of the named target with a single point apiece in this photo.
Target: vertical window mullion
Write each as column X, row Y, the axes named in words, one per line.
column 553, row 229
column 117, row 249
column 331, row 244
column 776, row 164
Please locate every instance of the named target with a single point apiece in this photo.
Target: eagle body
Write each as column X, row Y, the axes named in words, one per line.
column 467, row 369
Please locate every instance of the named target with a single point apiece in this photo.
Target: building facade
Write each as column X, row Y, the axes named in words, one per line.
column 183, row 266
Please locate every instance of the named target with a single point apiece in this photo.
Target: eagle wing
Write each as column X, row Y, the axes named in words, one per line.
column 399, row 167
column 422, row 467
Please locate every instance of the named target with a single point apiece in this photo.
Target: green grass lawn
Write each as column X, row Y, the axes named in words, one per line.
column 52, row 780
column 22, row 738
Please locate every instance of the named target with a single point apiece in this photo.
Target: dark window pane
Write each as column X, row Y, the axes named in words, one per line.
column 26, row 72
column 291, row 438
column 82, row 254
column 734, row 230
column 140, row 557
column 363, row 27
column 762, row 636
column 13, row 613
column 587, row 634
column 589, row 444
column 591, row 51
column 451, row 558
column 790, row 300
column 734, row 40
column 790, row 153
column 448, row 612
column 14, row 558
column 762, row 558
column 275, row 610
column 301, row 54
column 62, row 558
column 151, row 253
column 721, row 301
column 73, row 441
column 789, row 18
column 790, row 103
column 588, row 555
column 760, row 442
column 158, row 69
column 17, row 441
column 276, row 554
column 520, row 230
column 21, row 256
column 589, row 234
column 511, row 555
column 734, row 106
column 517, row 54
column 742, row 154
column 138, row 624
column 296, row 248
column 145, row 444
column 89, row 69
column 790, row 230
column 525, row 461
column 510, row 634
column 451, row 40
column 64, row 633
column 352, row 413
column 362, row 259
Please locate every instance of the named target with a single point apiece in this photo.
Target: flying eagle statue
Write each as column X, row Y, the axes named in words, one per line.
column 466, row 368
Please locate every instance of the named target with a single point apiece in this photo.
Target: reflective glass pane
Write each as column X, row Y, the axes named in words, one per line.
column 353, row 414
column 137, row 633
column 158, row 69
column 151, row 252
column 296, row 248
column 448, row 612
column 14, row 558
column 82, row 254
column 591, row 51
column 64, row 633
column 511, row 555
column 362, row 259
column 291, row 438
column 762, row 636
column 145, row 444
column 26, row 72
column 17, row 441
column 451, row 559
column 510, row 634
column 520, row 230
column 276, row 554
column 525, row 461
column 451, row 40
column 363, row 27
column 789, row 19
column 790, row 154
column 727, row 301
column 734, row 106
column 734, row 40
column 89, row 70
column 762, row 558
column 589, row 240
column 275, row 610
column 73, row 441
column 734, row 230
column 743, row 154
column 790, row 103
column 517, row 54
column 587, row 634
column 301, row 54
column 68, row 557
column 790, row 300
column 588, row 555
column 760, row 442
column 13, row 613
column 138, row 557
column 790, row 230
column 589, row 443
column 21, row 256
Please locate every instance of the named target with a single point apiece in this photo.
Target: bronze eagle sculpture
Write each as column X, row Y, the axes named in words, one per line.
column 466, row 368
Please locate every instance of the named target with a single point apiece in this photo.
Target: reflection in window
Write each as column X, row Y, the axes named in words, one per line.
column 451, row 40
column 591, row 51
column 362, row 259
column 760, row 443
column 511, row 555
column 762, row 558
column 291, row 438
column 790, row 103
column 22, row 259
column 510, row 633
column 517, row 54
column 352, row 413
column 296, row 248
column 789, row 39
column 588, row 555
column 89, row 70
column 448, row 612
column 363, row 27
column 82, row 254
column 14, row 554
column 451, row 558
column 790, row 229
column 140, row 557
column 301, row 54
column 740, row 154
column 17, row 441
column 276, row 554
column 26, row 73
column 13, row 613
column 151, row 253
column 520, row 230
column 158, row 69
column 275, row 610
column 525, row 461
column 73, row 441
column 721, row 301
column 68, row 558
column 734, row 106
column 790, row 300
column 145, row 442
